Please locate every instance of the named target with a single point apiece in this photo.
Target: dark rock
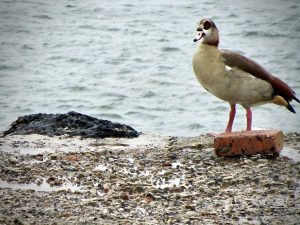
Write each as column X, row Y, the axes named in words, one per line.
column 71, row 123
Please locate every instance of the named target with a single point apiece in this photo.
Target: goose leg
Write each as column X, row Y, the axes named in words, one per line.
column 231, row 118
column 249, row 118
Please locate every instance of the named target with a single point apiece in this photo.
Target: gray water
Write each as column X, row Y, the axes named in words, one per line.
column 130, row 61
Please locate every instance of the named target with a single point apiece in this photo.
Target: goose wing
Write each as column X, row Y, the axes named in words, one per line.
column 236, row 60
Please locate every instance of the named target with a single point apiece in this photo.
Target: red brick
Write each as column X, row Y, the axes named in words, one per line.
column 248, row 142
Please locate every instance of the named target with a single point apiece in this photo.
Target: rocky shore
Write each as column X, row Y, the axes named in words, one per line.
column 71, row 124
column 149, row 179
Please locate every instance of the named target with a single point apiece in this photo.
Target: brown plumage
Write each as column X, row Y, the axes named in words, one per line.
column 234, row 59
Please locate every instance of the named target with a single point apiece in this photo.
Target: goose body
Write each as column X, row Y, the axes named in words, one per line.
column 234, row 78
column 226, row 83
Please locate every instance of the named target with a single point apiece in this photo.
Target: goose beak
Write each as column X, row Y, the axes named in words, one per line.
column 199, row 35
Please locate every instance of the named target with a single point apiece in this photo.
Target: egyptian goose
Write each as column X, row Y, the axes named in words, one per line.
column 235, row 78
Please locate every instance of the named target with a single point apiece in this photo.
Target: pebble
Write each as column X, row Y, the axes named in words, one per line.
column 15, row 170
column 13, row 160
column 175, row 185
column 53, row 156
column 228, row 178
column 93, row 191
column 209, row 191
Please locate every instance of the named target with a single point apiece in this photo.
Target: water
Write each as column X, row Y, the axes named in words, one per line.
column 43, row 186
column 130, row 61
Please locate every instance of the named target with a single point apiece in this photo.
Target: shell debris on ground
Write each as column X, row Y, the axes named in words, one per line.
column 146, row 180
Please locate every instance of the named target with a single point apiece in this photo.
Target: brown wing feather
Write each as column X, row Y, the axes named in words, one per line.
column 234, row 59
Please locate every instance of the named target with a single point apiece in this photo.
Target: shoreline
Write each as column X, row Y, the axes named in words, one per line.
column 151, row 179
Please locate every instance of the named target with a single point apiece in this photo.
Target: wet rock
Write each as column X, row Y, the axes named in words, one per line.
column 71, row 124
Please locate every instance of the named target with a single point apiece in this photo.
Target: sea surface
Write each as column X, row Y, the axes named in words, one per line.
column 130, row 61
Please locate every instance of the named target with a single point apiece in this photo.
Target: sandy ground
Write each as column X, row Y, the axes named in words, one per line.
column 146, row 180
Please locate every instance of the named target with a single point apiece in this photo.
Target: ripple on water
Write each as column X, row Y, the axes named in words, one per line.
column 76, row 60
column 88, row 27
column 163, row 40
column 232, row 15
column 264, row 34
column 70, row 6
column 106, row 107
column 170, row 49
column 44, row 17
column 13, row 67
column 112, row 61
column 23, row 31
column 125, row 71
column 64, row 106
column 195, row 126
column 27, row 47
column 111, row 116
column 55, row 58
column 78, row 88
column 148, row 94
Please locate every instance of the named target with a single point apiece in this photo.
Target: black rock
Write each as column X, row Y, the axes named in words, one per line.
column 72, row 124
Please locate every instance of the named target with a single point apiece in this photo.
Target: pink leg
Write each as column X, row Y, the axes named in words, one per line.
column 231, row 118
column 249, row 119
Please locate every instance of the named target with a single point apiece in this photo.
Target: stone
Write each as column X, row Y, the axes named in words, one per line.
column 14, row 170
column 214, row 190
column 13, row 160
column 90, row 202
column 53, row 156
column 124, row 196
column 248, row 143
column 71, row 124
column 93, row 191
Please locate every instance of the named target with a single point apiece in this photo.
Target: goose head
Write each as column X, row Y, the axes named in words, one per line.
column 207, row 32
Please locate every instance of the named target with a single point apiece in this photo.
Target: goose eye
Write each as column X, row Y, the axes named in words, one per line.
column 206, row 25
